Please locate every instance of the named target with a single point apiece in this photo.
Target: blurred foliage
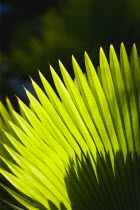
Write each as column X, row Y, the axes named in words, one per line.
column 73, row 27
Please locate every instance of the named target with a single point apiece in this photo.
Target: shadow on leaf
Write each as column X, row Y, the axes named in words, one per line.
column 107, row 188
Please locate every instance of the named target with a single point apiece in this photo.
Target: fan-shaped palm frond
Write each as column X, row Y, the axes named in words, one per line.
column 79, row 150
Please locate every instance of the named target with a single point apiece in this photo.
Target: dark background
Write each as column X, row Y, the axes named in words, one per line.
column 36, row 33
column 14, row 12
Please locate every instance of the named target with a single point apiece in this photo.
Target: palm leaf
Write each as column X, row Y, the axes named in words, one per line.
column 78, row 148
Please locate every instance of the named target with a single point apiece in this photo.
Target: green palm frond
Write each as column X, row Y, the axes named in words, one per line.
column 79, row 148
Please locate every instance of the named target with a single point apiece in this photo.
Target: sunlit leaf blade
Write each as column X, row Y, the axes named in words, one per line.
column 63, row 115
column 83, row 110
column 103, row 107
column 78, row 148
column 72, row 108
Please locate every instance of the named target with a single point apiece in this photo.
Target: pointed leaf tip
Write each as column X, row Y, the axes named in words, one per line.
column 73, row 58
column 25, row 89
column 111, row 46
column 85, row 53
column 60, row 63
column 51, row 68
column 134, row 45
column 39, row 72
column 30, row 78
column 33, row 82
column 7, row 99
column 17, row 97
column 101, row 51
column 122, row 44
